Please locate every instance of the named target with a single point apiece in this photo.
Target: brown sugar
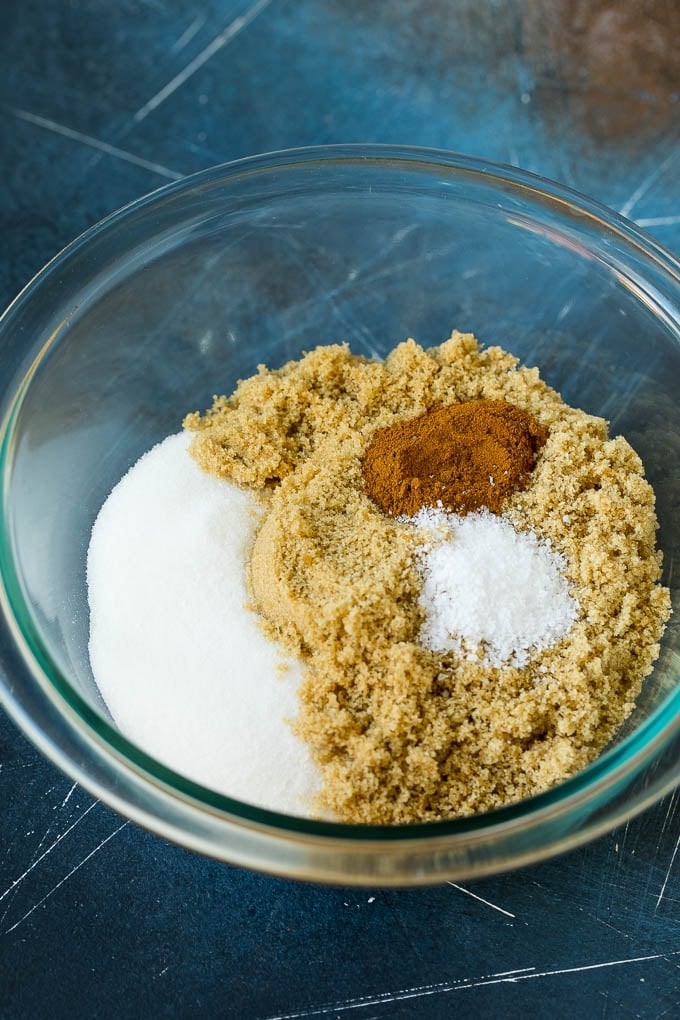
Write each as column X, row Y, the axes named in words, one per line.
column 400, row 733
column 461, row 457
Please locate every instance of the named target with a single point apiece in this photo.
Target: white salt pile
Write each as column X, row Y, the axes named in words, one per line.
column 180, row 661
column 491, row 590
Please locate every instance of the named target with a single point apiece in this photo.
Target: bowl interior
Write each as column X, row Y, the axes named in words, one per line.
column 182, row 296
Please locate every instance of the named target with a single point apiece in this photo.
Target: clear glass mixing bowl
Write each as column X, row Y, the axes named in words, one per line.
column 189, row 289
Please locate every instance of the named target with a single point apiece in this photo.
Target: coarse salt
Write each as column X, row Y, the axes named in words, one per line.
column 490, row 591
column 180, row 661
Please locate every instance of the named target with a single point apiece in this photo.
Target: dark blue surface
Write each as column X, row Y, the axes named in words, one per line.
column 105, row 101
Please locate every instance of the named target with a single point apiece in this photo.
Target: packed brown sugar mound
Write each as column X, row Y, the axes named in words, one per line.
column 403, row 733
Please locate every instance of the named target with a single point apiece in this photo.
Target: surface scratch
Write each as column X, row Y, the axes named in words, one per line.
column 362, row 1001
column 668, row 872
column 68, row 795
column 20, row 879
column 644, row 186
column 188, row 34
column 95, row 143
column 66, row 877
column 463, row 984
column 658, row 221
column 15, row 891
column 481, row 899
column 218, row 43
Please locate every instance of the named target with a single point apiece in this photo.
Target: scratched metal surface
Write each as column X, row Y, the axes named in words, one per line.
column 102, row 102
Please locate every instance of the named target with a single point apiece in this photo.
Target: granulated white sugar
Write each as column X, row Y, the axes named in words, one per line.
column 490, row 590
column 181, row 663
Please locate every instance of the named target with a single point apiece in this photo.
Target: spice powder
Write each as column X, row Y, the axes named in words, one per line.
column 402, row 733
column 461, row 457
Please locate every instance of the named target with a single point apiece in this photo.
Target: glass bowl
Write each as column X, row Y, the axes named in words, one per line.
column 186, row 291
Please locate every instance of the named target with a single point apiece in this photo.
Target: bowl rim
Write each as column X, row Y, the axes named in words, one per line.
column 615, row 764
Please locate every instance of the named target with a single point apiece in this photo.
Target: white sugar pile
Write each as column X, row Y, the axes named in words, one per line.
column 491, row 590
column 180, row 661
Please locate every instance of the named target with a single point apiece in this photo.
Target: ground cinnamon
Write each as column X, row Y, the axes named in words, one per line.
column 464, row 456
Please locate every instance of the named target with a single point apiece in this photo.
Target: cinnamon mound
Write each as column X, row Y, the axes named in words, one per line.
column 462, row 457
